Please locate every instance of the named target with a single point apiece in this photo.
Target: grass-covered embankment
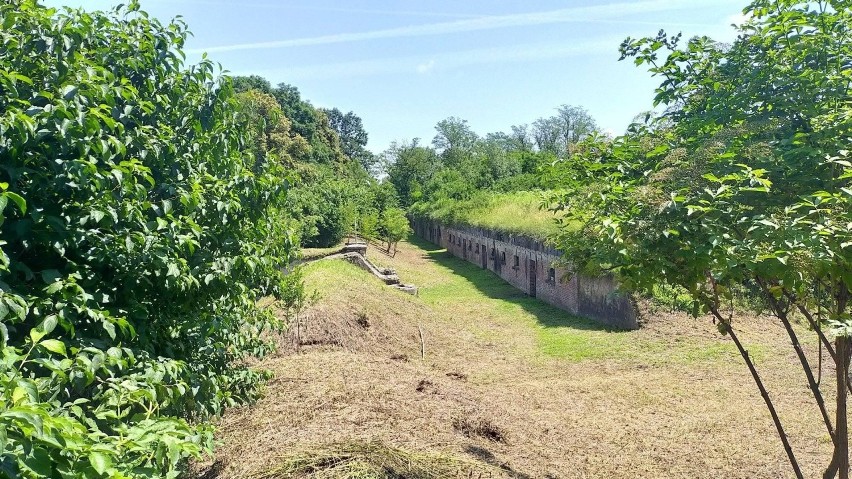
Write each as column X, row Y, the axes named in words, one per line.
column 518, row 212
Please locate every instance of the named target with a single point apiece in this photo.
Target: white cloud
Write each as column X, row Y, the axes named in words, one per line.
column 594, row 13
column 426, row 67
column 447, row 61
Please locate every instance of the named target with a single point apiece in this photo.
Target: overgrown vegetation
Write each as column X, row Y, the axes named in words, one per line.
column 491, row 182
column 333, row 194
column 516, row 212
column 138, row 233
column 743, row 182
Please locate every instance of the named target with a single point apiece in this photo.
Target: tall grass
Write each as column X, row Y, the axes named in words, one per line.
column 518, row 212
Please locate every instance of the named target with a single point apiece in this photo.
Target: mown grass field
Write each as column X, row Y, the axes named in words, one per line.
column 513, row 385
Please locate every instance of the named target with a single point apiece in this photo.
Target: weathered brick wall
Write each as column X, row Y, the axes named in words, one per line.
column 529, row 265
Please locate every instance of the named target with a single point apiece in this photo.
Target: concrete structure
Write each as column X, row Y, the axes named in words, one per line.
column 529, row 265
column 356, row 253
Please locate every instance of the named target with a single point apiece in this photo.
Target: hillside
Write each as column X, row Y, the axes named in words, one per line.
column 508, row 387
column 518, row 212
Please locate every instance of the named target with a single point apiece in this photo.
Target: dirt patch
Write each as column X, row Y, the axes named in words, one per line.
column 361, row 319
column 457, row 375
column 426, row 386
column 479, row 427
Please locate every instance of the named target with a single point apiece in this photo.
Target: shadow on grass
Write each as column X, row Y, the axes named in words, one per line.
column 492, row 286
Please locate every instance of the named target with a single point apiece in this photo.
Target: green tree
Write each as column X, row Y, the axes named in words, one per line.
column 745, row 180
column 269, row 130
column 409, row 167
column 322, row 205
column 136, row 234
column 575, row 123
column 393, row 226
column 243, row 84
column 353, row 137
column 312, row 124
column 455, row 141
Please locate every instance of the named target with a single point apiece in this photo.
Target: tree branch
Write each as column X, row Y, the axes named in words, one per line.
column 754, row 374
column 781, row 314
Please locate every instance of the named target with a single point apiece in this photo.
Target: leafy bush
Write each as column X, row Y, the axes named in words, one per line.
column 136, row 237
column 321, row 207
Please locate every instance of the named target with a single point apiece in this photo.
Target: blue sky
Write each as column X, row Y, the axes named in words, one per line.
column 404, row 65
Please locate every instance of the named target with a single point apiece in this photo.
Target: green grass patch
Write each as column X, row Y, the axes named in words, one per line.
column 462, row 294
column 518, row 212
column 466, row 290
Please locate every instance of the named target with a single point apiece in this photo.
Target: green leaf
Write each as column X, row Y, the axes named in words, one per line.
column 100, row 461
column 19, row 394
column 49, row 324
column 18, row 200
column 36, row 335
column 54, row 346
column 38, row 462
column 50, row 276
column 109, row 328
column 174, row 270
column 53, row 288
column 69, row 91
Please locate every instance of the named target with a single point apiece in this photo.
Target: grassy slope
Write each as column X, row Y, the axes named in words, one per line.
column 572, row 399
column 517, row 212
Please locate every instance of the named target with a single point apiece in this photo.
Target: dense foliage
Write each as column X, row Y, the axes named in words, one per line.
column 492, row 181
column 138, row 232
column 307, row 122
column 332, row 194
column 744, row 181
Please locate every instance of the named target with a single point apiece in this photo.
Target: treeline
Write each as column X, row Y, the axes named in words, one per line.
column 332, row 191
column 460, row 171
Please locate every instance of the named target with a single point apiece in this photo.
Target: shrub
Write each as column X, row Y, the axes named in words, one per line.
column 136, row 237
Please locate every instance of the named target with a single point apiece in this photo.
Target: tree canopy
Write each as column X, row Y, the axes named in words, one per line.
column 742, row 182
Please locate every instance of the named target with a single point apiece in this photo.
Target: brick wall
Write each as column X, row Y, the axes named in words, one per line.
column 529, row 265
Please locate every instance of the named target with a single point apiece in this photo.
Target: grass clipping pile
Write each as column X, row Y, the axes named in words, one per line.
column 373, row 460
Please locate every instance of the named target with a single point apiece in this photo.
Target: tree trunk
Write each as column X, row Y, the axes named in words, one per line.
column 841, row 445
column 781, row 314
column 842, row 349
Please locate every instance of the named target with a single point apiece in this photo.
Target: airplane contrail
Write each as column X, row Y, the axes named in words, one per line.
column 566, row 15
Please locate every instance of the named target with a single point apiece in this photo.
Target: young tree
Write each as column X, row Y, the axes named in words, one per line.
column 745, row 180
column 394, row 227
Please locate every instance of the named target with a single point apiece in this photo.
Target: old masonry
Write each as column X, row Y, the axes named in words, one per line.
column 532, row 266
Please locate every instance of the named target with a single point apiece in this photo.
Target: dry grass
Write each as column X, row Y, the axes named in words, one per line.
column 569, row 399
column 371, row 460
